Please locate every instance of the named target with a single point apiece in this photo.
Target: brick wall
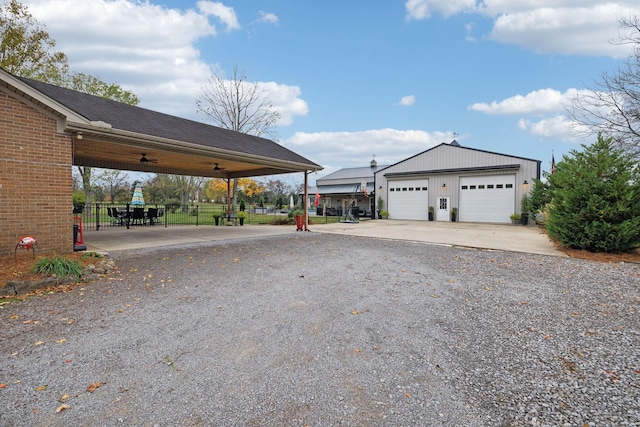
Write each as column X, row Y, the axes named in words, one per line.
column 35, row 180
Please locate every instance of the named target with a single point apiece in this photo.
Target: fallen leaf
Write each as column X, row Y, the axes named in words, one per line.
column 524, row 302
column 407, row 394
column 42, row 387
column 93, row 387
column 62, row 408
column 61, row 341
column 354, row 312
column 3, row 385
column 64, row 397
column 30, row 322
column 13, row 317
column 358, row 350
column 38, row 343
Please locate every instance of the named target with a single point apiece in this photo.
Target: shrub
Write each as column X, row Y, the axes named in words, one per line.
column 537, row 199
column 595, row 200
column 79, row 201
column 58, row 266
column 173, row 205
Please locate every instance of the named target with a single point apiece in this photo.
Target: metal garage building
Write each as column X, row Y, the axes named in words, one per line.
column 476, row 185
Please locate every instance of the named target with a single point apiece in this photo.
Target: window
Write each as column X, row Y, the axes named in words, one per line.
column 410, row 188
column 509, row 186
column 392, row 189
column 404, row 188
column 472, row 187
column 465, row 187
column 424, row 188
column 481, row 187
column 499, row 186
column 489, row 186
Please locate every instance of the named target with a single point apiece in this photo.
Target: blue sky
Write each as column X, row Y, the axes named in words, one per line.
column 356, row 78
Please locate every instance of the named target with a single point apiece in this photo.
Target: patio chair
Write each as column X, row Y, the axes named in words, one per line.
column 111, row 212
column 152, row 215
column 137, row 217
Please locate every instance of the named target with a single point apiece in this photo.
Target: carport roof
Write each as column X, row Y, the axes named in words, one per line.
column 116, row 135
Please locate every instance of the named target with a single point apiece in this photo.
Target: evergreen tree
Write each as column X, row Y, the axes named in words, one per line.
column 595, row 199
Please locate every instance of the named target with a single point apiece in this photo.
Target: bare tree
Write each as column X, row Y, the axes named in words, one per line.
column 612, row 106
column 238, row 105
column 115, row 184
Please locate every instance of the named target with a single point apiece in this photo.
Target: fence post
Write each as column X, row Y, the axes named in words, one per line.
column 197, row 215
column 97, row 216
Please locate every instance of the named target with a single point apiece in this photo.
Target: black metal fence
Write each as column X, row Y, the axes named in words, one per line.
column 101, row 216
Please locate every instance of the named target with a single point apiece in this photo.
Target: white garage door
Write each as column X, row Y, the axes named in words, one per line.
column 409, row 199
column 487, row 198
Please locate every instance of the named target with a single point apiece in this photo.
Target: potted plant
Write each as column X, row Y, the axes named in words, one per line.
column 431, row 212
column 241, row 216
column 515, row 218
column 216, row 217
column 384, row 214
column 454, row 214
column 380, row 206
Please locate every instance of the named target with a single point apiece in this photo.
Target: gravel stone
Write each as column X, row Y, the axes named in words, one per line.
column 319, row 329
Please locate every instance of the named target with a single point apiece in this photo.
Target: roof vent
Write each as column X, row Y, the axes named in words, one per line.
column 374, row 163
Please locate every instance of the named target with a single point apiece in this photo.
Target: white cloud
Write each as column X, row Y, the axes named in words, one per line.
column 565, row 30
column 270, row 18
column 543, row 101
column 417, row 9
column 225, row 13
column 583, row 27
column 357, row 148
column 542, row 113
column 557, row 128
column 421, row 9
column 286, row 99
column 408, row 100
column 148, row 49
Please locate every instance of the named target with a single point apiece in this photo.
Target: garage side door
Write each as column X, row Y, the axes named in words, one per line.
column 409, row 199
column 487, row 198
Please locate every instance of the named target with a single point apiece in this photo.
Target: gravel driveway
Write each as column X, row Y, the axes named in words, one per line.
column 319, row 330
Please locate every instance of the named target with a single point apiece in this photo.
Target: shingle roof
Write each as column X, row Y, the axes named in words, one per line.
column 143, row 121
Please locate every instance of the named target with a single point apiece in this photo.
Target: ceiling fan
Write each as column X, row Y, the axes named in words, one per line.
column 144, row 160
column 218, row 168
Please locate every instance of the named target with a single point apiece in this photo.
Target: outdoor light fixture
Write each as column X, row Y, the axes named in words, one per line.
column 444, row 185
column 79, row 135
column 525, row 182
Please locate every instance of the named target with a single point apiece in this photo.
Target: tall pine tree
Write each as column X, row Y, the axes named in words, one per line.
column 595, row 199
